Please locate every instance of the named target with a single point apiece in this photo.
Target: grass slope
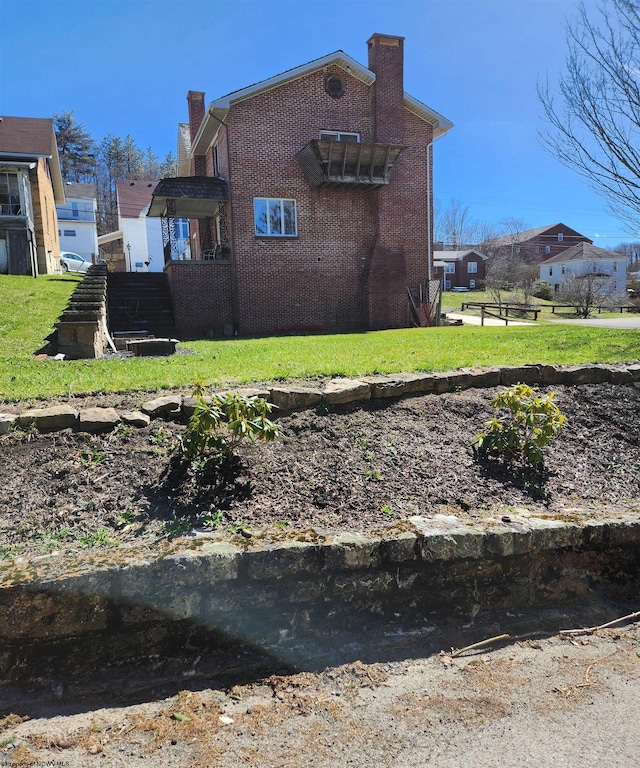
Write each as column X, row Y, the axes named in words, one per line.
column 29, row 308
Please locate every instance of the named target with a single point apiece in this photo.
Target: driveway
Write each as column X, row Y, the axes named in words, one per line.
column 630, row 322
column 475, row 320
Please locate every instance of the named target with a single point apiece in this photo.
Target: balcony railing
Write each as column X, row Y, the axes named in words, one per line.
column 350, row 164
column 11, row 209
column 70, row 214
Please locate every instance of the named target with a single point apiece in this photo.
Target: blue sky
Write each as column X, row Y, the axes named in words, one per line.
column 126, row 67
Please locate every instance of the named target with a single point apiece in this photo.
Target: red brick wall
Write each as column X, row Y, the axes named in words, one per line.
column 461, row 277
column 357, row 250
column 386, row 60
column 320, row 279
column 548, row 239
column 202, row 297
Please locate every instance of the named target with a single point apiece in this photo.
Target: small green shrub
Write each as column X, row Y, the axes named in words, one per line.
column 220, row 422
column 543, row 289
column 93, row 457
column 530, row 422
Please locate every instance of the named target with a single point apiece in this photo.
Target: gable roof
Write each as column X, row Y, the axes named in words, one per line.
column 218, row 109
column 583, row 252
column 32, row 138
column 528, row 234
column 133, row 196
column 80, row 191
column 456, row 255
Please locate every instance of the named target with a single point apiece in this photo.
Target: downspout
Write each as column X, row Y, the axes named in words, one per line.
column 429, row 162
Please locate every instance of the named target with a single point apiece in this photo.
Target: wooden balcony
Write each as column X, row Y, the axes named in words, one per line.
column 348, row 164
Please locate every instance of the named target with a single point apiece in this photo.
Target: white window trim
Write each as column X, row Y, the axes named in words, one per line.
column 472, row 283
column 560, row 237
column 449, row 268
column 472, row 267
column 280, row 200
column 447, row 285
column 216, row 159
column 335, row 135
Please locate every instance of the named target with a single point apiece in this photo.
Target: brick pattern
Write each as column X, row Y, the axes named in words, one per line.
column 461, row 276
column 386, row 60
column 527, row 249
column 202, row 298
column 357, row 251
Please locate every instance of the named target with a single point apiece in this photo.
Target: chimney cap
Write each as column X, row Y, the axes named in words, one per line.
column 385, row 39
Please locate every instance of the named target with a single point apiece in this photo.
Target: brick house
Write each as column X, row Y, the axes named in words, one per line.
column 535, row 245
column 30, row 188
column 460, row 269
column 310, row 200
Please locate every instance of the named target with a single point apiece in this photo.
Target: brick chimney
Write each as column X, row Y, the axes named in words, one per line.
column 195, row 101
column 386, row 281
column 386, row 61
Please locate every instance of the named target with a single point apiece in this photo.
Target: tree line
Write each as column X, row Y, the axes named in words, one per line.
column 85, row 160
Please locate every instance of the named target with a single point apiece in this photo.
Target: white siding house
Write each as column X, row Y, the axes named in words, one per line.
column 585, row 259
column 77, row 221
column 142, row 236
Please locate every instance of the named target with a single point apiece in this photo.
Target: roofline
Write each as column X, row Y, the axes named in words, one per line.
column 459, row 255
column 219, row 108
column 54, row 165
column 557, row 260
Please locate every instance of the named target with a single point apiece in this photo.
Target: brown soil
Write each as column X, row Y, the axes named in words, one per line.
column 361, row 469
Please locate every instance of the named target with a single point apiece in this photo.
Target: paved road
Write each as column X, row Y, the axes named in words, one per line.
column 549, row 702
column 475, row 320
column 627, row 322
column 630, row 322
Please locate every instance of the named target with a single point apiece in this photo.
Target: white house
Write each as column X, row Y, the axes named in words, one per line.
column 583, row 260
column 77, row 221
column 141, row 236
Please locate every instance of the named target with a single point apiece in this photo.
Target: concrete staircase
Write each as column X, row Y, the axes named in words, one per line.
column 139, row 302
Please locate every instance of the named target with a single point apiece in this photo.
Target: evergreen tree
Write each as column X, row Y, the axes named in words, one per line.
column 76, row 148
column 104, row 163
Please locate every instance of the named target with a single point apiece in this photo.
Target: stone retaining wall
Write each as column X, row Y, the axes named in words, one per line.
column 331, row 393
column 284, row 596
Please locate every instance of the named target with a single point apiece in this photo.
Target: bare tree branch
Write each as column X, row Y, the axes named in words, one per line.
column 594, row 116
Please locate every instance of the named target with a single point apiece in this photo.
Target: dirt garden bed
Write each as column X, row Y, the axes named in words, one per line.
column 364, row 468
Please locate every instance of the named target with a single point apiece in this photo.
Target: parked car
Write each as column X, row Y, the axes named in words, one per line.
column 71, row 262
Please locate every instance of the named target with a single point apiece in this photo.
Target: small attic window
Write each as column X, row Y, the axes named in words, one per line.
column 335, row 87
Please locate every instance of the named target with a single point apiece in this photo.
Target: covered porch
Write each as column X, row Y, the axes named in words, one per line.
column 200, row 198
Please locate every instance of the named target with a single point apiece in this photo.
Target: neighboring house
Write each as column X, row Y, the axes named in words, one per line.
column 585, row 261
column 535, row 245
column 77, row 221
column 30, row 188
column 141, row 236
column 310, row 203
column 460, row 269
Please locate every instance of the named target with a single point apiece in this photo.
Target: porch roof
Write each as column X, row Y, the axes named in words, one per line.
column 195, row 197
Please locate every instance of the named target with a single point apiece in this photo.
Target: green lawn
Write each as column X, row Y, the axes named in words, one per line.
column 29, row 308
